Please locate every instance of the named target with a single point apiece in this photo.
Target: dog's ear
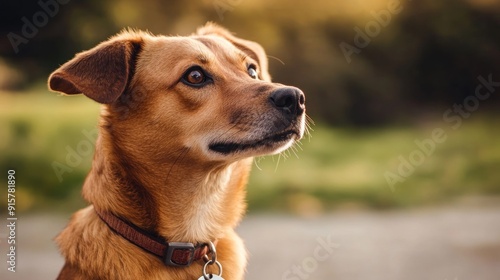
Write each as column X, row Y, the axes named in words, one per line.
column 252, row 49
column 101, row 73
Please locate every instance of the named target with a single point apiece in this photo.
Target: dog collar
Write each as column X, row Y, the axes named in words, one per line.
column 172, row 253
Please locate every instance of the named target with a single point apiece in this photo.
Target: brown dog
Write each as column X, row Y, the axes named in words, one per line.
column 182, row 119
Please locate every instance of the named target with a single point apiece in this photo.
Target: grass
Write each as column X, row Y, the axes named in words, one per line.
column 347, row 167
column 335, row 168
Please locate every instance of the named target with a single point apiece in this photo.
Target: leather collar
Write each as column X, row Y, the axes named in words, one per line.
column 171, row 253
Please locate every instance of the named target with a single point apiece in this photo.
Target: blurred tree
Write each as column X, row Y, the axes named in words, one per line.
column 37, row 36
column 429, row 55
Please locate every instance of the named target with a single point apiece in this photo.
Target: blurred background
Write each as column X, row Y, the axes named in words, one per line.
column 402, row 166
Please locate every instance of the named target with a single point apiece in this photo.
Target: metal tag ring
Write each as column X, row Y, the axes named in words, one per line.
column 205, row 275
column 213, row 252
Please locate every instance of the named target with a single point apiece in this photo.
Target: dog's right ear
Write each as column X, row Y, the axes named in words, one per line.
column 101, row 73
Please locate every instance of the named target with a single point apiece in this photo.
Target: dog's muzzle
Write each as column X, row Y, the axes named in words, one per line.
column 282, row 122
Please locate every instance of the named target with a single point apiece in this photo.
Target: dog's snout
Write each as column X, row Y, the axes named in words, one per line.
column 290, row 100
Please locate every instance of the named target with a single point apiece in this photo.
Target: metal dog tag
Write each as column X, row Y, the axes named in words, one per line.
column 211, row 277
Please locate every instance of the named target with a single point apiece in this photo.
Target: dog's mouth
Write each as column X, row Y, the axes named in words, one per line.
column 271, row 142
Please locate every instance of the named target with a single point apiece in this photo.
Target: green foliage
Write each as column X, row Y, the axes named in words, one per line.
column 334, row 167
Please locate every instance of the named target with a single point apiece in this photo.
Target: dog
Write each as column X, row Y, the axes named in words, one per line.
column 182, row 118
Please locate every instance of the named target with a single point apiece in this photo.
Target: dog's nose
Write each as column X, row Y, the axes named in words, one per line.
column 290, row 100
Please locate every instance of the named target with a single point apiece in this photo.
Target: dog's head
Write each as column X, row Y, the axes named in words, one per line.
column 209, row 94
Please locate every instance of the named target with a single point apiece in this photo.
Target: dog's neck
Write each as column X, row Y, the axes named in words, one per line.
column 178, row 200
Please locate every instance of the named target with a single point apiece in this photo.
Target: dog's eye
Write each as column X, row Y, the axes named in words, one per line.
column 195, row 77
column 252, row 71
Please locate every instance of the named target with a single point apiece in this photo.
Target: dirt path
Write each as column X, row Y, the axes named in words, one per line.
column 435, row 244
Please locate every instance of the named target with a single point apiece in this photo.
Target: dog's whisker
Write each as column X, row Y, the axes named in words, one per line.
column 228, row 130
column 310, row 120
column 277, row 59
column 308, row 127
column 256, row 162
column 285, row 154
column 299, row 143
column 182, row 154
column 277, row 163
column 295, row 151
column 299, row 146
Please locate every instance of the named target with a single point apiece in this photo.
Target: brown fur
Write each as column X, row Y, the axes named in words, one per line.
column 152, row 165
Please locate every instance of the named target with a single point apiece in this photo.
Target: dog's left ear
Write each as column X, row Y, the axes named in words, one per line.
column 101, row 73
column 252, row 49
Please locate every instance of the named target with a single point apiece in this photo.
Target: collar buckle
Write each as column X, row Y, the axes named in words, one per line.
column 179, row 254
